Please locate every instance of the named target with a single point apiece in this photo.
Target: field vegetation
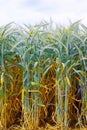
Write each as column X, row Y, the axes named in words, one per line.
column 43, row 70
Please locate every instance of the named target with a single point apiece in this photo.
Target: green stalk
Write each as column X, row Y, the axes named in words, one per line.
column 66, row 107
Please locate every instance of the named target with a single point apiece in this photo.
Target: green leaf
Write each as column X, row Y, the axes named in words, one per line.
column 41, row 104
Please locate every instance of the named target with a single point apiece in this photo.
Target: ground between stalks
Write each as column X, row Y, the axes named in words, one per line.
column 48, row 127
column 30, row 126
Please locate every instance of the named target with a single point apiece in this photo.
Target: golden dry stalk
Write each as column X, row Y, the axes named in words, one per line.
column 75, row 103
column 12, row 108
column 48, row 97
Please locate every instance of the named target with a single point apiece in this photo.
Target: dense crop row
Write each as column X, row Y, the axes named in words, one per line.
column 35, row 50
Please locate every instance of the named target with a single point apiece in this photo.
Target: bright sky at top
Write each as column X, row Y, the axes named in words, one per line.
column 35, row 11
